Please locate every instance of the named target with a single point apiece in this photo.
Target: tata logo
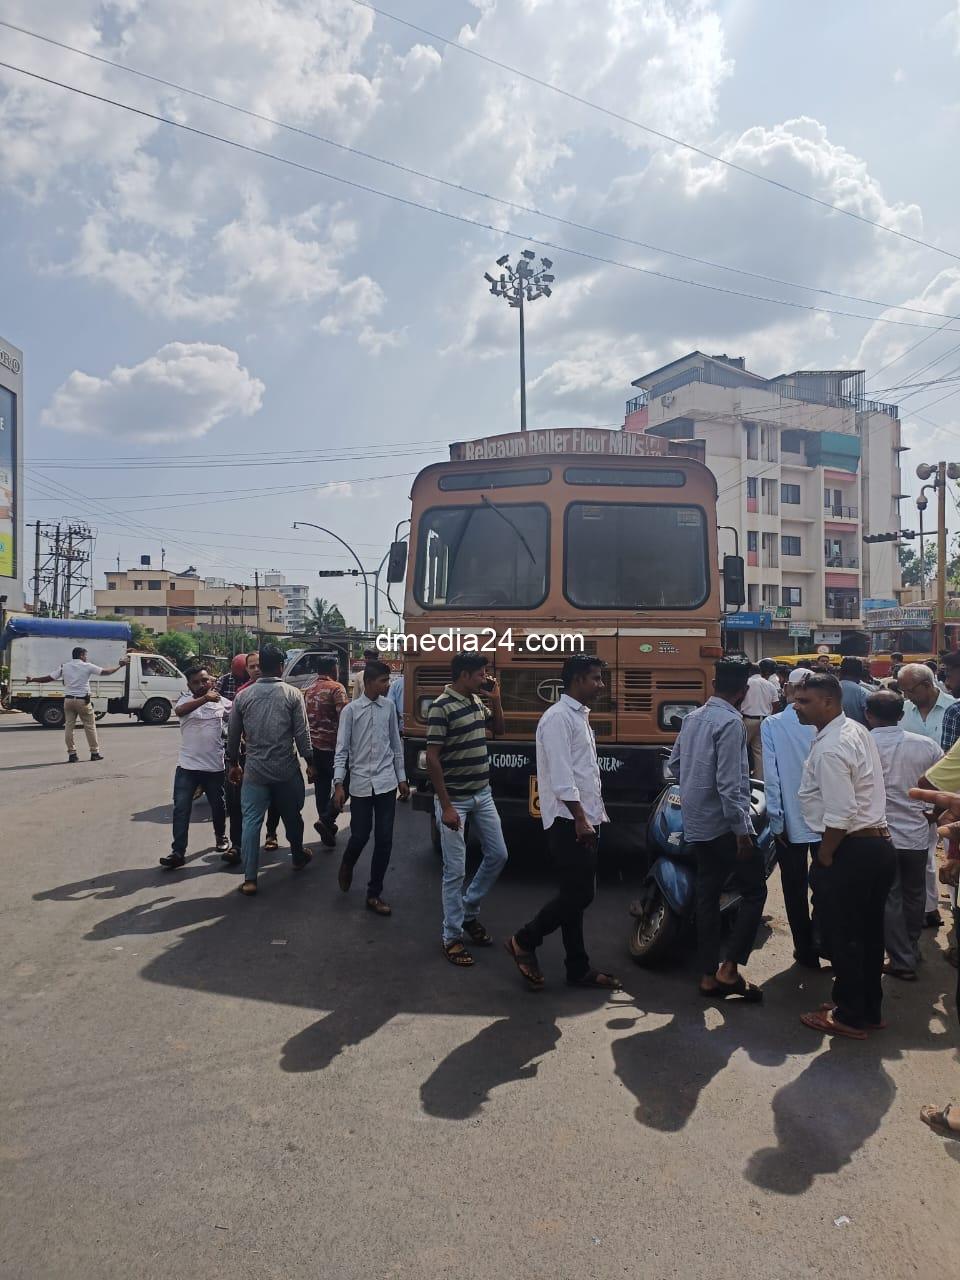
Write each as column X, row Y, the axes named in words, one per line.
column 550, row 690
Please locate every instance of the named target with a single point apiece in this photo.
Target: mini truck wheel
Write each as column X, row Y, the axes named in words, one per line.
column 51, row 715
column 155, row 711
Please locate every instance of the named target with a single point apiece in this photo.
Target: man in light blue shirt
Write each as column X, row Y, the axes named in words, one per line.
column 925, row 706
column 709, row 761
column 786, row 744
column 852, row 690
column 368, row 743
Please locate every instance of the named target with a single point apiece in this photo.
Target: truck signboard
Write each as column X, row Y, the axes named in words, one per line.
column 600, row 442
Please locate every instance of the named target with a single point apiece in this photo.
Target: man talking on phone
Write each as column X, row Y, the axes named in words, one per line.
column 709, row 761
column 458, row 764
column 571, row 807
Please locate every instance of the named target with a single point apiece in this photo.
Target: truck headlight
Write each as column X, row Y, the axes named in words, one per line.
column 423, row 708
column 670, row 711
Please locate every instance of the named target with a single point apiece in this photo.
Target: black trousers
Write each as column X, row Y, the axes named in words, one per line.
column 795, row 860
column 851, row 896
column 717, row 863
column 364, row 812
column 575, row 869
column 323, row 784
column 235, row 814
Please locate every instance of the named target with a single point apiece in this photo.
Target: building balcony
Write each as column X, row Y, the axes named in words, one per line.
column 842, row 613
column 841, row 513
column 841, row 562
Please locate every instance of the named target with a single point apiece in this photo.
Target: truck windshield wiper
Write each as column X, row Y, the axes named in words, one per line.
column 506, row 519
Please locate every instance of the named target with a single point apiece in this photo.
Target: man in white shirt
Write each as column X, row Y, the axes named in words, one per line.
column 905, row 758
column 761, row 700
column 571, row 808
column 76, row 675
column 200, row 765
column 842, row 799
column 369, row 746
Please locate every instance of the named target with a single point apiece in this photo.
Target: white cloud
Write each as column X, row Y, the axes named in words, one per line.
column 180, row 393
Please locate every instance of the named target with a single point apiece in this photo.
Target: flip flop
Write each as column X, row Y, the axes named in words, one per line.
column 824, row 1022
column 868, row 1026
column 938, row 1118
column 248, row 888
column 748, row 992
column 526, row 962
column 595, row 979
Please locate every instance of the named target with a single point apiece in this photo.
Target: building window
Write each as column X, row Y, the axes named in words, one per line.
column 752, row 540
column 771, row 597
column 790, row 493
column 793, row 595
column 792, row 442
column 154, row 585
column 751, row 486
column 790, row 546
column 111, row 586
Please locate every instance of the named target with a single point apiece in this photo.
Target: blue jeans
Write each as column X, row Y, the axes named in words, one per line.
column 185, row 783
column 255, row 799
column 457, row 905
column 363, row 811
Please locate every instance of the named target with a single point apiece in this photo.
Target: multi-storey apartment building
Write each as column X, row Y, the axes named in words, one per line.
column 296, row 597
column 165, row 601
column 805, row 466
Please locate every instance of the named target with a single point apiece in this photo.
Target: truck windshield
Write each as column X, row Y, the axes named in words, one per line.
column 483, row 557
column 635, row 556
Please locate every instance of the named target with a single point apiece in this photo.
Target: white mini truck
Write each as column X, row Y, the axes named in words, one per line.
column 147, row 688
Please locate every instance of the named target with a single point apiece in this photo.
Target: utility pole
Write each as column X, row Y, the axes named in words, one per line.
column 36, row 569
column 67, row 573
column 940, row 642
column 55, row 603
column 256, row 588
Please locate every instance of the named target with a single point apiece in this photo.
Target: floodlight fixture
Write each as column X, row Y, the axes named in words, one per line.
column 524, row 282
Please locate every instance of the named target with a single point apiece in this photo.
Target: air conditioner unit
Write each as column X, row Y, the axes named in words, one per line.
column 667, row 400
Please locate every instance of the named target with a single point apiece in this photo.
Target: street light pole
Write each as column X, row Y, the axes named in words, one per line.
column 306, row 524
column 523, row 283
column 943, row 471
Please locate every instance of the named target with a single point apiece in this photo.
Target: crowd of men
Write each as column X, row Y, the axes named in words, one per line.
column 856, row 776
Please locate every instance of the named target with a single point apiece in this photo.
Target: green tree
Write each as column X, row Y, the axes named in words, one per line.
column 141, row 638
column 910, row 564
column 178, row 647
column 322, row 616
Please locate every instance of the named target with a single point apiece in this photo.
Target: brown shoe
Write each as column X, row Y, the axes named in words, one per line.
column 345, row 877
column 379, row 907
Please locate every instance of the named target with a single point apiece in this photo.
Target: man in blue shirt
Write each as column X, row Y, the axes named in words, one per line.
column 786, row 745
column 851, row 687
column 709, row 761
column 925, row 709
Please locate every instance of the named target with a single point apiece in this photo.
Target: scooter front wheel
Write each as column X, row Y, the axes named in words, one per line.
column 655, row 926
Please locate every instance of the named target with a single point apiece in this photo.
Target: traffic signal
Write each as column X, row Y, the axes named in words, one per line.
column 889, row 537
column 338, row 573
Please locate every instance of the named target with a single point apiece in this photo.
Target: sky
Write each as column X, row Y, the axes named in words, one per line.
column 218, row 343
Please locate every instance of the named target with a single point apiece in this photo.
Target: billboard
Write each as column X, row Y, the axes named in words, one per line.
column 8, row 483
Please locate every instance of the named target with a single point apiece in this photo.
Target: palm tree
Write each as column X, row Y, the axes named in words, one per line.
column 323, row 616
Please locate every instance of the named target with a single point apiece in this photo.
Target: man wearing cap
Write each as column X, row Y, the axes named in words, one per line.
column 786, row 744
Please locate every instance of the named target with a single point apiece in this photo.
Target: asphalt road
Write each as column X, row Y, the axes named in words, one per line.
column 198, row 1085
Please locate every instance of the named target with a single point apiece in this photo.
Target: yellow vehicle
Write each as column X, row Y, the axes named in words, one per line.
column 530, row 547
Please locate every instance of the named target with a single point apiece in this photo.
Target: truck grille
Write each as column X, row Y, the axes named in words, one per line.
column 637, row 689
column 533, row 689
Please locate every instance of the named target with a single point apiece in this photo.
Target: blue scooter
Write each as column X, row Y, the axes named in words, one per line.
column 666, row 901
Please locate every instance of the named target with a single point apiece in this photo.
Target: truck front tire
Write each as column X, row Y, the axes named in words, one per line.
column 155, row 711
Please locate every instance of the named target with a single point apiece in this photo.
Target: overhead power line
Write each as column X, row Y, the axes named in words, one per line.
column 646, row 128
column 457, row 217
column 459, row 187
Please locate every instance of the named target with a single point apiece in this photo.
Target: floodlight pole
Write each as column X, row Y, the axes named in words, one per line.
column 523, row 372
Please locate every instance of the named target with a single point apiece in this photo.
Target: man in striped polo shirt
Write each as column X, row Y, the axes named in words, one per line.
column 459, row 767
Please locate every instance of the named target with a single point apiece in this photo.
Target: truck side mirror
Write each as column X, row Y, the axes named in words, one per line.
column 734, row 581
column 397, row 563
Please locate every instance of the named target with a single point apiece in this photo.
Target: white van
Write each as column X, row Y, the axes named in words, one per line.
column 148, row 687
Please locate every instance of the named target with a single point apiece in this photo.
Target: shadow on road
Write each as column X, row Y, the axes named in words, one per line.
column 303, row 944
